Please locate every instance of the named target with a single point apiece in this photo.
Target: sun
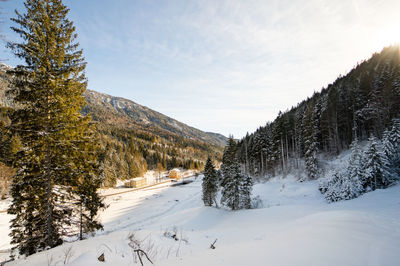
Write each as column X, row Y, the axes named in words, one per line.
column 389, row 35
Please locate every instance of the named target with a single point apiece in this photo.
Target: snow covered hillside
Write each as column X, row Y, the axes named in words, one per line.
column 294, row 227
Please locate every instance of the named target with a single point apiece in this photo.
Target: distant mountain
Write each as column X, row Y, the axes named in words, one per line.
column 134, row 137
column 123, row 112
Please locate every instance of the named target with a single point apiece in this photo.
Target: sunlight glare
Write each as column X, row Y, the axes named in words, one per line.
column 387, row 36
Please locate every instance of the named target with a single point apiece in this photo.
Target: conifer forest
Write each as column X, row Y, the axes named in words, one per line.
column 87, row 178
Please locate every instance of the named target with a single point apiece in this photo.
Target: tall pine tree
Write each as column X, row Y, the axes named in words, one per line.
column 228, row 158
column 210, row 184
column 375, row 174
column 391, row 147
column 231, row 186
column 245, row 191
column 57, row 165
column 311, row 140
column 352, row 179
column 230, row 181
column 236, row 187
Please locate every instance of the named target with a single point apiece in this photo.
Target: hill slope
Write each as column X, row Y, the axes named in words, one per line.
column 134, row 137
column 131, row 113
column 295, row 227
column 362, row 103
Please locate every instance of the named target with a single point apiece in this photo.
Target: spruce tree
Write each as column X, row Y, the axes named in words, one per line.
column 352, row 179
column 3, row 140
column 210, row 184
column 391, row 148
column 88, row 180
column 375, row 174
column 245, row 191
column 236, row 187
column 230, row 152
column 231, row 186
column 57, row 162
column 229, row 156
column 229, row 182
column 331, row 188
column 311, row 140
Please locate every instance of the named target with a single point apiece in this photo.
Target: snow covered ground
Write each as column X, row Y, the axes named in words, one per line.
column 295, row 227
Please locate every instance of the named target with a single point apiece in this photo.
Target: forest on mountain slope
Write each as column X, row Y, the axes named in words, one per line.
column 361, row 104
column 130, row 146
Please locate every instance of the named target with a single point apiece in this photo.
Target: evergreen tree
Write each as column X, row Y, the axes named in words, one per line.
column 375, row 174
column 210, row 184
column 229, row 155
column 364, row 173
column 57, row 163
column 231, row 186
column 245, row 191
column 236, row 187
column 332, row 187
column 391, row 147
column 311, row 140
column 311, row 161
column 230, row 181
column 346, row 184
column 89, row 179
column 352, row 179
column 3, row 141
column 228, row 158
column 368, row 95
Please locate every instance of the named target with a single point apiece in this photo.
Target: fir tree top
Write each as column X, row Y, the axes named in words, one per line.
column 230, row 152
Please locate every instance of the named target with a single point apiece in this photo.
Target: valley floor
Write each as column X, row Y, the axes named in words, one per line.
column 294, row 227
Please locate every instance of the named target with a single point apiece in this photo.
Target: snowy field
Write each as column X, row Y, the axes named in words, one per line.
column 294, row 227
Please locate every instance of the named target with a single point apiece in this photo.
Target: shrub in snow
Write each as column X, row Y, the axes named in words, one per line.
column 333, row 188
column 350, row 187
column 373, row 169
column 340, row 186
column 346, row 184
column 172, row 233
column 141, row 248
column 323, row 185
column 257, row 203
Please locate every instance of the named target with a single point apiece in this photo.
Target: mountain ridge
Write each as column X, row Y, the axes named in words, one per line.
column 133, row 137
column 143, row 114
column 120, row 106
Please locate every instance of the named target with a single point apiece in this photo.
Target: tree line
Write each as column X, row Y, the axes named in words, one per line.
column 126, row 156
column 126, row 152
column 235, row 185
column 362, row 103
column 375, row 167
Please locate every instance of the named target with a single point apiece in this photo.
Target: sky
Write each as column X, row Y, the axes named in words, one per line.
column 222, row 66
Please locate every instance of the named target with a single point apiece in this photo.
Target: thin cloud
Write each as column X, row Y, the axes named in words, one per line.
column 227, row 66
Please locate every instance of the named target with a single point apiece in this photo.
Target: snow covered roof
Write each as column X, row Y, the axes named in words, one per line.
column 138, row 178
